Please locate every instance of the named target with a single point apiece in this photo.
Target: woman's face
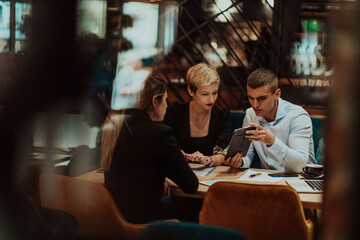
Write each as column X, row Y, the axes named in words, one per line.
column 160, row 109
column 205, row 96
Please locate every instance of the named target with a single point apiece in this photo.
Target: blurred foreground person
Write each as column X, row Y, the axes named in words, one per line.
column 85, row 159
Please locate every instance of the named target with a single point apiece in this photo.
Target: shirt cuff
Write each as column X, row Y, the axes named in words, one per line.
column 246, row 162
column 278, row 149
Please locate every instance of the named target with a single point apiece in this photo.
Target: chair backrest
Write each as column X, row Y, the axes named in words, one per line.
column 188, row 231
column 90, row 203
column 237, row 119
column 257, row 211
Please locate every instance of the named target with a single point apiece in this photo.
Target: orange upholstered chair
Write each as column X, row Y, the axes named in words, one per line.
column 90, row 203
column 257, row 211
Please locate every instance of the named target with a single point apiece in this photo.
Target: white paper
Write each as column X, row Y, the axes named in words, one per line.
column 65, row 163
column 211, row 182
column 54, row 156
column 264, row 177
column 202, row 171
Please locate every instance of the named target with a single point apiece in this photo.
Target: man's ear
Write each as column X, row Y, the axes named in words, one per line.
column 278, row 93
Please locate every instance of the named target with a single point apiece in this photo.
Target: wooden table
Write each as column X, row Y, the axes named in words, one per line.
column 308, row 200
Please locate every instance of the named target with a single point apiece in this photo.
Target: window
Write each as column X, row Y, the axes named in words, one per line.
column 14, row 23
column 92, row 18
column 4, row 26
column 22, row 14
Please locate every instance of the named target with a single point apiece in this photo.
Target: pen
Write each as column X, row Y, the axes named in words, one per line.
column 254, row 175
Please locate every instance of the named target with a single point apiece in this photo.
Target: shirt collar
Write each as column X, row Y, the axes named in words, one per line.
column 280, row 112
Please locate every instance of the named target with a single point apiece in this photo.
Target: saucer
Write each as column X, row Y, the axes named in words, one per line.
column 307, row 176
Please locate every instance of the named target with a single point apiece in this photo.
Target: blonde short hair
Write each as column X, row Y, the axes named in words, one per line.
column 201, row 74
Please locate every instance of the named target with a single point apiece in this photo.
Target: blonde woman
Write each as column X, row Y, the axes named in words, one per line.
column 138, row 152
column 201, row 128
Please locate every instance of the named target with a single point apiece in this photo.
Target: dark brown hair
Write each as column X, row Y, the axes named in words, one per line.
column 261, row 77
column 154, row 85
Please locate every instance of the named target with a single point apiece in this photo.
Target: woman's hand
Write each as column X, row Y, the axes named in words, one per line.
column 186, row 155
column 166, row 188
column 196, row 157
column 206, row 160
column 235, row 161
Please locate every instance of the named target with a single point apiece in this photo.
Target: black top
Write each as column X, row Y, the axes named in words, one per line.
column 178, row 118
column 145, row 153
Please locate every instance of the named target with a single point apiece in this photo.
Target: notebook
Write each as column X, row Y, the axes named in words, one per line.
column 307, row 185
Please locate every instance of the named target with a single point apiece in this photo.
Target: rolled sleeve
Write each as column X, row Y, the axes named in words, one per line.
column 294, row 155
column 246, row 162
column 278, row 149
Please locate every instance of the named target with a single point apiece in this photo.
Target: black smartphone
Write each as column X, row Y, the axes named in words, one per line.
column 283, row 174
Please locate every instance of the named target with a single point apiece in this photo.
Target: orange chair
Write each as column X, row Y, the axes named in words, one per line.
column 90, row 203
column 257, row 211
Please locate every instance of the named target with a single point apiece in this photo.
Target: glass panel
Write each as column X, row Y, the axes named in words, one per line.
column 22, row 14
column 92, row 17
column 4, row 26
column 131, row 72
column 143, row 33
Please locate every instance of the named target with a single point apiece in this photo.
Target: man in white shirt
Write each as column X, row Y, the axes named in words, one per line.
column 283, row 138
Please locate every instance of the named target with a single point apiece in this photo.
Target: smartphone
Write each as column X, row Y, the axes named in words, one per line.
column 283, row 174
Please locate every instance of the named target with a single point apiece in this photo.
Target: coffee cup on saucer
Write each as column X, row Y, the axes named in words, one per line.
column 313, row 170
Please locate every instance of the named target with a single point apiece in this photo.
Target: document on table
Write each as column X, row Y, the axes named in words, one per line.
column 55, row 156
column 211, row 182
column 202, row 171
column 263, row 177
column 65, row 163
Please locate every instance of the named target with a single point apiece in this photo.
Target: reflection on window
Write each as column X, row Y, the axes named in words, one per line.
column 168, row 26
column 4, row 26
column 92, row 17
column 131, row 72
column 308, row 55
column 225, row 7
column 22, row 16
column 143, row 34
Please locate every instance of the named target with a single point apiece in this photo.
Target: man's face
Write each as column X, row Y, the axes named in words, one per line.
column 263, row 101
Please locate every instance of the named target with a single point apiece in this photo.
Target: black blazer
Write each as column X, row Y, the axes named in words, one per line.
column 145, row 153
column 178, row 118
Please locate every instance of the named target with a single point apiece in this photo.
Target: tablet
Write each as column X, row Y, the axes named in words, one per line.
column 238, row 142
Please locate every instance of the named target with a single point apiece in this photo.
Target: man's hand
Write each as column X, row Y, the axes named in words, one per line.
column 235, row 161
column 260, row 135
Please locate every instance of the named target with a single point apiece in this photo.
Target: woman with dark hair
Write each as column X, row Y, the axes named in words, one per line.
column 138, row 153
